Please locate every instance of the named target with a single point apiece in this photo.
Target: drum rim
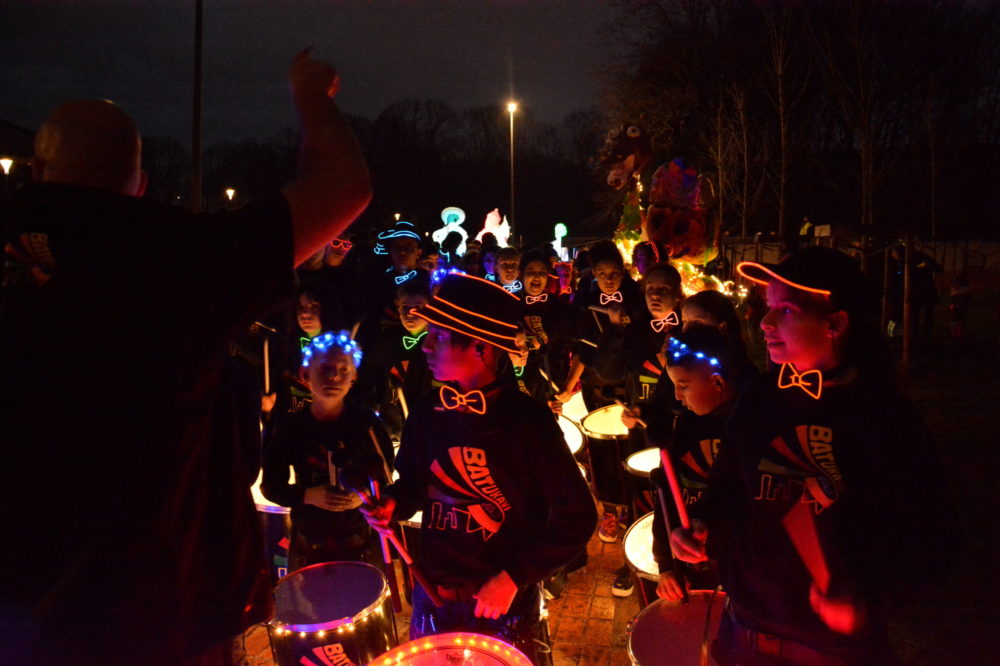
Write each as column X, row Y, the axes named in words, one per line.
column 635, row 471
column 272, row 508
column 449, row 640
column 600, row 435
column 360, row 616
column 635, row 569
column 579, row 429
column 721, row 594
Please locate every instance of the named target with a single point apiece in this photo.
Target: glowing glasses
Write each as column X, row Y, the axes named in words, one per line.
column 340, row 244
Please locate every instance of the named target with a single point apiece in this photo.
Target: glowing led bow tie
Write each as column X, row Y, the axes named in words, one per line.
column 410, row 341
column 400, row 279
column 474, row 401
column 810, row 381
column 660, row 324
column 615, row 297
column 513, row 286
column 536, row 299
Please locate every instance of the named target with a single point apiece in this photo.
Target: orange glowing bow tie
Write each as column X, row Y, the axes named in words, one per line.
column 473, row 401
column 613, row 298
column 810, row 381
column 660, row 324
column 536, row 299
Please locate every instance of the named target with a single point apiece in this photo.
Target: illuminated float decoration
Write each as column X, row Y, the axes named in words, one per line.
column 496, row 225
column 625, row 153
column 560, row 231
column 453, row 217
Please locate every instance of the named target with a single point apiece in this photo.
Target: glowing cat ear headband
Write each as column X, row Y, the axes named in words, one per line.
column 679, row 350
column 324, row 343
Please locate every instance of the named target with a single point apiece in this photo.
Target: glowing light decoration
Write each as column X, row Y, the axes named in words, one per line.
column 679, row 350
column 441, row 273
column 323, row 343
column 694, row 279
column 560, row 231
column 810, row 381
column 496, row 225
column 6, row 163
column 453, row 217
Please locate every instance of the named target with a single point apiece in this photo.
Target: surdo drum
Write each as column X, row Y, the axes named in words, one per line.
column 336, row 613
column 607, row 442
column 571, row 432
column 458, row 649
column 674, row 634
column 276, row 525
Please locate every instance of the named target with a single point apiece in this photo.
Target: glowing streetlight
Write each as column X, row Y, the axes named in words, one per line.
column 230, row 193
column 6, row 163
column 512, row 109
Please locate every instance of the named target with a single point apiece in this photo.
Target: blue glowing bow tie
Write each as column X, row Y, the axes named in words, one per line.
column 615, row 297
column 513, row 286
column 400, row 279
column 810, row 381
column 473, row 401
column 536, row 299
column 410, row 341
column 660, row 324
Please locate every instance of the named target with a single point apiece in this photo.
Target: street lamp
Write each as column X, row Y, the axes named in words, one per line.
column 512, row 109
column 6, row 163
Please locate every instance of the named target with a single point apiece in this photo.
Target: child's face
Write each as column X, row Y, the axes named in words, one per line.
column 694, row 314
column 535, row 278
column 405, row 306
column 448, row 361
column 404, row 253
column 609, row 277
column 508, row 270
column 429, row 262
column 336, row 252
column 490, row 263
column 643, row 260
column 660, row 296
column 331, row 375
column 697, row 388
column 308, row 315
column 796, row 334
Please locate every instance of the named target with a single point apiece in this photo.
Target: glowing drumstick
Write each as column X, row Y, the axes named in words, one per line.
column 675, row 488
column 390, row 569
column 267, row 367
column 800, row 525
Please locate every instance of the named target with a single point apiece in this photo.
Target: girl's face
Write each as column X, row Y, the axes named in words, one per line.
column 698, row 388
column 660, row 296
column 802, row 336
column 308, row 316
column 535, row 278
column 609, row 277
column 692, row 314
column 490, row 263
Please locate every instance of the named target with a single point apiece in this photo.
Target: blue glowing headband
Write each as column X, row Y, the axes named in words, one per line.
column 324, row 343
column 679, row 350
column 441, row 273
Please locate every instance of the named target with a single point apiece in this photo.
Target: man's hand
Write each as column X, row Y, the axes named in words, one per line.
column 688, row 545
column 379, row 514
column 843, row 614
column 669, row 587
column 495, row 596
column 329, row 499
column 310, row 78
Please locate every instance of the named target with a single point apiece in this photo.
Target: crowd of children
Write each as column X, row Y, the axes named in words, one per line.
column 464, row 364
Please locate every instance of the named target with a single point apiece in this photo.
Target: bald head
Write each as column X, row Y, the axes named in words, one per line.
column 92, row 143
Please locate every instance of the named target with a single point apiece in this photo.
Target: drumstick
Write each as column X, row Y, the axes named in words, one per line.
column 390, row 569
column 662, row 495
column 675, row 488
column 378, row 450
column 402, row 403
column 267, row 367
column 624, row 406
column 603, row 311
column 800, row 525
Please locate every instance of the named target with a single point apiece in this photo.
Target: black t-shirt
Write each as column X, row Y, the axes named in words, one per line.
column 129, row 505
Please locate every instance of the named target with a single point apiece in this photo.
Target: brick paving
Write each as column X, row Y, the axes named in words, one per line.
column 588, row 626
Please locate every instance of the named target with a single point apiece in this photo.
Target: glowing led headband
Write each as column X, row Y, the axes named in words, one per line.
column 323, row 343
column 679, row 350
column 441, row 273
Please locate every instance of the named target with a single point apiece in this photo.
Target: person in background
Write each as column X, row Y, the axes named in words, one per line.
column 508, row 268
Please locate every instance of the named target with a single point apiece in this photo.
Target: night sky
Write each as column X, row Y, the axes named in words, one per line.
column 139, row 54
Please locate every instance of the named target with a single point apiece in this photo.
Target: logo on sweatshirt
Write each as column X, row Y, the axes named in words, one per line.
column 811, row 464
column 465, row 485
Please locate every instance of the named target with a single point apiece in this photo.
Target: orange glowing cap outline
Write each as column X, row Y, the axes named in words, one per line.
column 765, row 269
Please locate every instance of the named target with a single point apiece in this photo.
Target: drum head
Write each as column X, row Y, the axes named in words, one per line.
column 639, row 548
column 574, row 408
column 641, row 463
column 460, row 649
column 572, row 433
column 605, row 423
column 328, row 595
column 668, row 634
column 265, row 505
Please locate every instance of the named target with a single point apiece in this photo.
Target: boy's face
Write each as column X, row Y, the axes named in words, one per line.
column 337, row 251
column 795, row 333
column 660, row 296
column 535, row 278
column 449, row 361
column 507, row 270
column 405, row 306
column 609, row 277
column 490, row 263
column 429, row 261
column 643, row 260
column 697, row 388
column 331, row 375
column 307, row 313
column 695, row 314
column 404, row 253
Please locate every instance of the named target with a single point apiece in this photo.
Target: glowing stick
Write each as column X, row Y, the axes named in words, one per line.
column 675, row 488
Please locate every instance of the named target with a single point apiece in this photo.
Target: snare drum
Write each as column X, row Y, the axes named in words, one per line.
column 641, row 463
column 572, row 433
column 607, row 442
column 638, row 546
column 575, row 409
column 671, row 633
column 330, row 613
column 455, row 648
column 276, row 524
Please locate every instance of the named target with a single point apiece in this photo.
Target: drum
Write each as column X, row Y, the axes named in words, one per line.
column 641, row 463
column 607, row 441
column 638, row 545
column 668, row 634
column 574, row 409
column 455, row 648
column 276, row 524
column 332, row 613
column 572, row 434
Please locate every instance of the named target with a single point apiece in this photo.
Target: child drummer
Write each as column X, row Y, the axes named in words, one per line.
column 503, row 502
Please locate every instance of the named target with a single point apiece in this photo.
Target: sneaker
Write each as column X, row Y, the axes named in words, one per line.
column 624, row 583
column 607, row 531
